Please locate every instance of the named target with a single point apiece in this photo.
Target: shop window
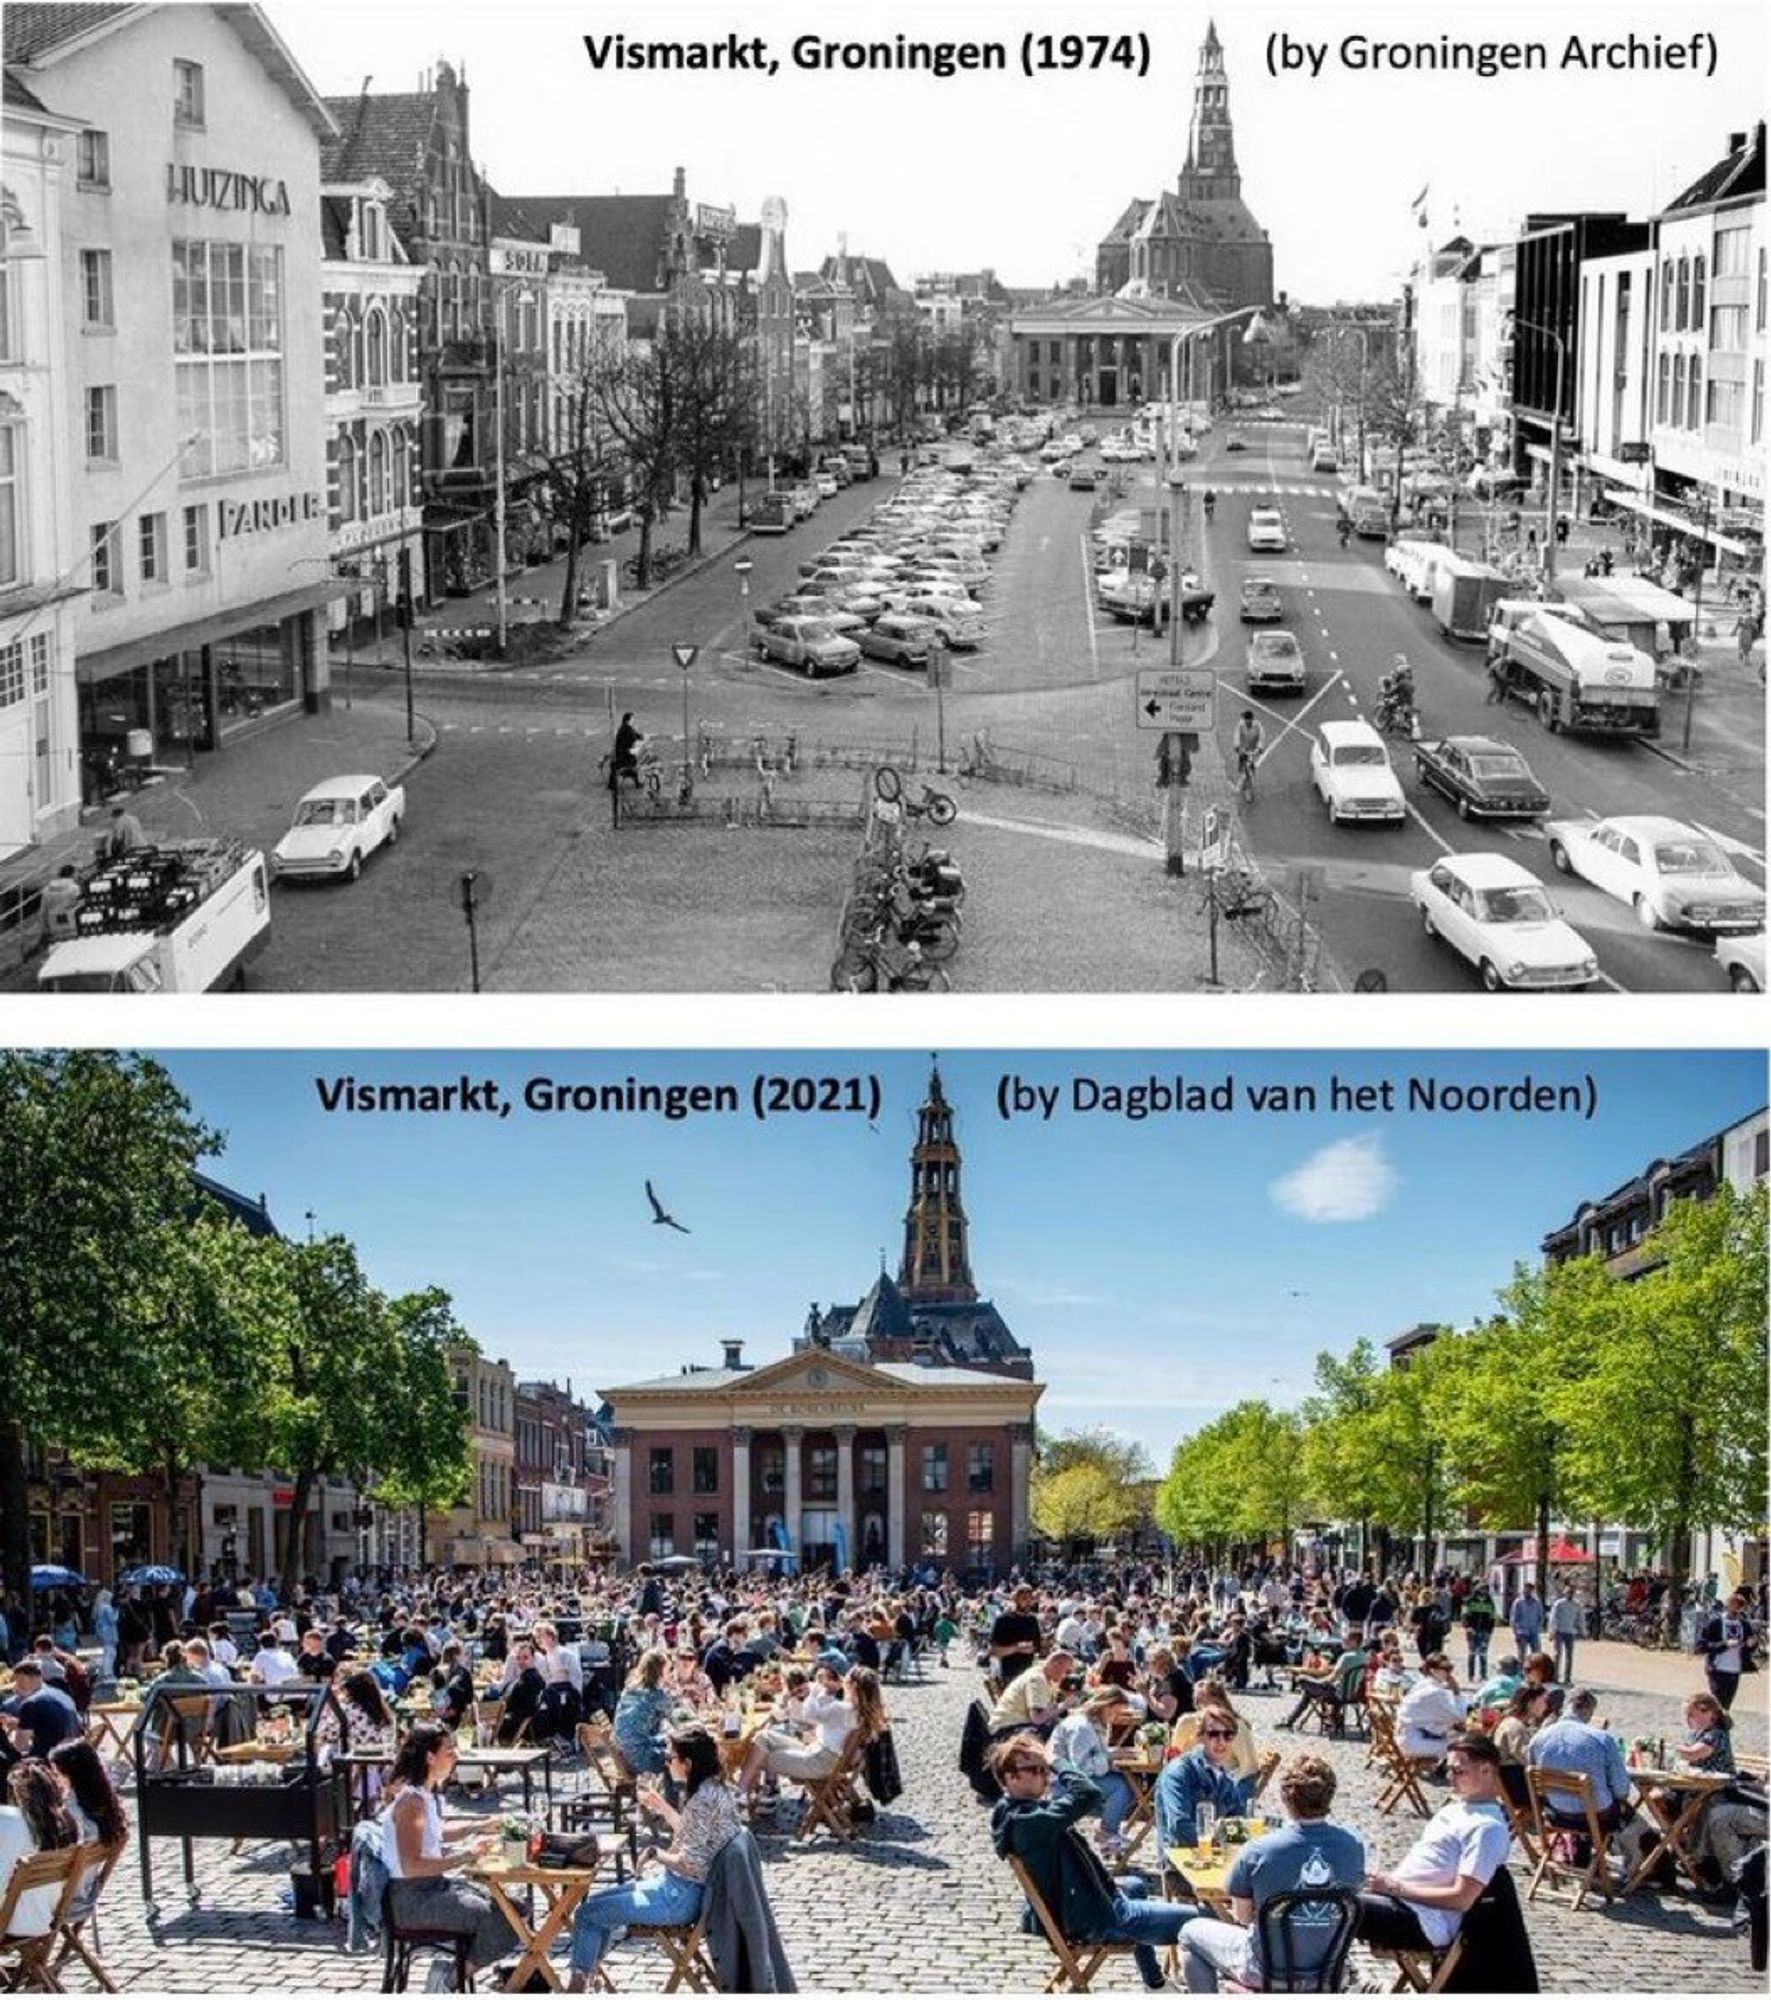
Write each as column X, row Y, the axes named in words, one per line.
column 227, row 322
column 92, row 160
column 153, row 548
column 661, row 1470
column 11, row 515
column 934, row 1534
column 97, row 312
column 101, row 423
column 705, row 1468
column 196, row 540
column 187, row 93
column 934, row 1468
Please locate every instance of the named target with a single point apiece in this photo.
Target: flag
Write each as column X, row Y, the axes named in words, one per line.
column 1419, row 206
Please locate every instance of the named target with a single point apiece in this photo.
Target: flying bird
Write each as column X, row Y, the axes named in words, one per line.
column 661, row 1214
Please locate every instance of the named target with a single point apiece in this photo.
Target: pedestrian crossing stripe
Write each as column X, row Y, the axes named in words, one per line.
column 1275, row 488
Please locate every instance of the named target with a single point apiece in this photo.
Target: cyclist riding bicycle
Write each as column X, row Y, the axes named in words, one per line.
column 1248, row 742
column 1211, row 502
column 1346, row 530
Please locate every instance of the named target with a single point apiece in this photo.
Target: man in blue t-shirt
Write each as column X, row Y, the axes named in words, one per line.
column 36, row 1717
column 1313, row 1852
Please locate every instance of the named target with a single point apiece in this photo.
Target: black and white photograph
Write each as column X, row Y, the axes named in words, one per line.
column 557, row 500
column 861, row 1521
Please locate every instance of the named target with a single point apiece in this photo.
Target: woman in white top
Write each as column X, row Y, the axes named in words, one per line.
column 1432, row 1711
column 36, row 1822
column 419, row 1859
column 832, row 1712
column 1079, row 1743
column 562, row 1671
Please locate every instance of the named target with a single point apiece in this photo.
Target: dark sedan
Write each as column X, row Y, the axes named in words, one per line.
column 1260, row 601
column 1483, row 778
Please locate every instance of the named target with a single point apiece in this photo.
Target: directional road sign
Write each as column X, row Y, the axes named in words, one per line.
column 1177, row 698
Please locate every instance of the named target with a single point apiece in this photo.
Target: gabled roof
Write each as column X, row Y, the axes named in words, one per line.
column 621, row 235
column 1740, row 174
column 20, row 98
column 253, row 1216
column 40, row 36
column 381, row 137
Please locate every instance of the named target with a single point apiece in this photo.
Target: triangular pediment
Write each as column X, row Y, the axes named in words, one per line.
column 815, row 1372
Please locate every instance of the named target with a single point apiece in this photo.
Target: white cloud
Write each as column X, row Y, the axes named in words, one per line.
column 1349, row 1181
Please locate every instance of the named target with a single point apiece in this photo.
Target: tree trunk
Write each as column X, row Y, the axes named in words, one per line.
column 569, row 593
column 645, row 554
column 289, row 1568
column 697, row 488
column 1543, row 1548
column 180, row 1557
column 15, row 1530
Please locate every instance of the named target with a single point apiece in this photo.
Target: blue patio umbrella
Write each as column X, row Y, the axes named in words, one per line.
column 153, row 1573
column 52, row 1576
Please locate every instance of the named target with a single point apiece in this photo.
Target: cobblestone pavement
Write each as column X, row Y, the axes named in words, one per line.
column 921, row 1904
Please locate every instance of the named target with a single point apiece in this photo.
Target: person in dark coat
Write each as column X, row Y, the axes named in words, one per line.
column 625, row 761
column 1035, row 1822
column 742, row 1939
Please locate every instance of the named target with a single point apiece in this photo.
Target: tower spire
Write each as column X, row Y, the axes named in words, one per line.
column 1210, row 173
column 937, row 1267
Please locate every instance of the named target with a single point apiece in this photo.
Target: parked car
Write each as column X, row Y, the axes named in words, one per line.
column 1743, row 960
column 1672, row 876
column 1235, row 442
column 1260, row 601
column 901, row 639
column 337, row 826
column 1082, row 479
column 1499, row 916
column 1325, row 459
column 959, row 621
column 812, row 644
column 1351, row 771
column 1276, row 660
column 1483, row 778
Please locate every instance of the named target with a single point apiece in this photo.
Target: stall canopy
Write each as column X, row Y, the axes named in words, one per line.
column 1560, row 1552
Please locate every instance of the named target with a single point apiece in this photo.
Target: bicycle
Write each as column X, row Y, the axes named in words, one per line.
column 877, row 963
column 936, row 806
column 1245, row 768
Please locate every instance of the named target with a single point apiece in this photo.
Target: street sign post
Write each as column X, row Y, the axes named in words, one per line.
column 1177, row 698
column 685, row 657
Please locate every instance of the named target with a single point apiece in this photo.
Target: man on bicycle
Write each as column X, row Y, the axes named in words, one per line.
column 1249, row 741
column 1211, row 501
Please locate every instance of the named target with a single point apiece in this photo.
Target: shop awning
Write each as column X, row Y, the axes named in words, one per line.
column 91, row 668
column 1681, row 524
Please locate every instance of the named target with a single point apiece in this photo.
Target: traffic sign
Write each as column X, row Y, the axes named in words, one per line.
column 685, row 656
column 1177, row 698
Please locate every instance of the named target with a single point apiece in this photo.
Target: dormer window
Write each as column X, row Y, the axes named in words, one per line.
column 371, row 233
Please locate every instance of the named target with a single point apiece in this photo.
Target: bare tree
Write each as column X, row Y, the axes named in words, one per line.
column 579, row 475
column 636, row 397
column 715, row 404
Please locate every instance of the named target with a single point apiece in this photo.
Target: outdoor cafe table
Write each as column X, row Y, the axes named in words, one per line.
column 1674, row 1801
column 1140, row 1769
column 1206, row 1872
column 559, row 1890
column 523, row 1758
column 112, row 1722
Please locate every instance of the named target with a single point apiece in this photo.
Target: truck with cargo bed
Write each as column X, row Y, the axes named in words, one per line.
column 1577, row 679
column 185, row 918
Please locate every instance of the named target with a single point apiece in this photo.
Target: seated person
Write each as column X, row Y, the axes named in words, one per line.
column 1202, row 1776
column 35, row 1717
column 521, row 1690
column 1733, row 1822
column 1311, row 1853
column 452, row 1686
column 1420, row 1903
column 1080, row 1743
column 36, row 1821
column 1431, row 1712
column 1497, row 1690
column 1035, row 1823
column 828, row 1718
column 1572, row 1743
column 1037, row 1696
column 420, row 1856
column 1245, row 1760
column 1526, row 1713
column 642, row 1710
column 1168, row 1687
column 1331, row 1691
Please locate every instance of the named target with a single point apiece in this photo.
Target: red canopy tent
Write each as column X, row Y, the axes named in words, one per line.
column 1560, row 1552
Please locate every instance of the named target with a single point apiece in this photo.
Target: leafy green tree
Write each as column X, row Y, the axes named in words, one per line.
column 1340, row 1447
column 1240, row 1480
column 1667, row 1429
column 425, row 1457
column 1090, row 1485
column 96, row 1155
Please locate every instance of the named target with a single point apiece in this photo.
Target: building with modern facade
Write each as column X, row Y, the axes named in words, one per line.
column 190, row 266
column 374, row 401
column 40, row 580
column 897, row 1430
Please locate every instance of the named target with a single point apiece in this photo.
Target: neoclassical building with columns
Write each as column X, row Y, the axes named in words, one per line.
column 899, row 1430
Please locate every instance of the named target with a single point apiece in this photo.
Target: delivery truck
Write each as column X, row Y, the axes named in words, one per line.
column 177, row 919
column 1577, row 679
column 1464, row 595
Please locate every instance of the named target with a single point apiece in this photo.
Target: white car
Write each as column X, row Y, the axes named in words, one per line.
column 1672, row 876
column 1351, row 771
column 1743, row 959
column 959, row 621
column 1266, row 531
column 337, row 826
column 1499, row 916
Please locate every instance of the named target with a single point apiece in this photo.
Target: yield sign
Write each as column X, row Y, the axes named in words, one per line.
column 685, row 656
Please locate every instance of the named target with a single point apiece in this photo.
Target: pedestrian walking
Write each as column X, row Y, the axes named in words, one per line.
column 1725, row 1639
column 1527, row 1619
column 1567, row 1622
column 1478, row 1619
column 624, row 761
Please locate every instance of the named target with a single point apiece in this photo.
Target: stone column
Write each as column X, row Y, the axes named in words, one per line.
column 623, row 1493
column 845, row 1488
column 741, row 1539
column 792, row 1437
column 1020, row 1488
column 895, row 1495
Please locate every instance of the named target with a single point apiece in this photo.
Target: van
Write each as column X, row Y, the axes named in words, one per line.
column 1413, row 564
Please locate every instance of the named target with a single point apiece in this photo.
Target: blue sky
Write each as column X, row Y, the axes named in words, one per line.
column 1160, row 1270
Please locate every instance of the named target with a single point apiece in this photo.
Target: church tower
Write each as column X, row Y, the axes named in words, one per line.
column 937, row 1267
column 1210, row 173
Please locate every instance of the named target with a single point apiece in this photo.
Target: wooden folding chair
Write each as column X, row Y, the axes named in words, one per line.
column 1520, row 1816
column 1422, row 1971
column 1558, row 1832
column 1077, row 1963
column 1402, row 1773
column 187, row 1725
column 685, row 1950
column 1263, row 1777
column 831, row 1799
column 24, row 1961
column 77, row 1924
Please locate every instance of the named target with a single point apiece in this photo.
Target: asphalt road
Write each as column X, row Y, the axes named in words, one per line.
column 1351, row 619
